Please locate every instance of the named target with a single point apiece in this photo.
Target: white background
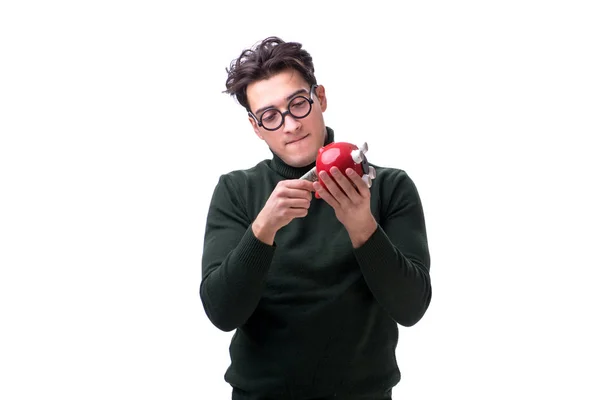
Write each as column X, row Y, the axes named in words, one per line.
column 114, row 132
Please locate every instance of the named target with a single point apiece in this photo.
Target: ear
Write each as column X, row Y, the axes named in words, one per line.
column 255, row 127
column 320, row 92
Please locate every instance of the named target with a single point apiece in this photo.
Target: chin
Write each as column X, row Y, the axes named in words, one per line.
column 300, row 162
column 303, row 160
column 303, row 154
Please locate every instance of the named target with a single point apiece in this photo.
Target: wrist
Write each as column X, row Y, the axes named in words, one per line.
column 262, row 232
column 359, row 236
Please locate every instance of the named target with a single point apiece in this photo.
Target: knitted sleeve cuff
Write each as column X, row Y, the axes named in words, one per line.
column 253, row 253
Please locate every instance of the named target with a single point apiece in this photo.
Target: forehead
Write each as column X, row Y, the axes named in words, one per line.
column 274, row 90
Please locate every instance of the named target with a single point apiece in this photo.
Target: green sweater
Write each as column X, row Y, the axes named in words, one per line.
column 313, row 316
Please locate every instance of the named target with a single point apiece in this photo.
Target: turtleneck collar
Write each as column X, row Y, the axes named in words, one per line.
column 290, row 172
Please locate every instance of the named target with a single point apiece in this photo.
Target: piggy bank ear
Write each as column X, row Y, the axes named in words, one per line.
column 357, row 156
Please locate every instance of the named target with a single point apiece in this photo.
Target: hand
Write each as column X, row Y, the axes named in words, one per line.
column 290, row 199
column 351, row 201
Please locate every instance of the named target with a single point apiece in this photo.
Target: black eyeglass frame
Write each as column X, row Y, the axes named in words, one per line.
column 285, row 113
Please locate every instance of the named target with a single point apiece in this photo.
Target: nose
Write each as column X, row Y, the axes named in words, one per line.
column 290, row 124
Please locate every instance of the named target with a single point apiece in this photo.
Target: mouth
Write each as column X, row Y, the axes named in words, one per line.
column 298, row 140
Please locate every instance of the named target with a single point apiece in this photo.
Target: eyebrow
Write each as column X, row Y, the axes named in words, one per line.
column 297, row 92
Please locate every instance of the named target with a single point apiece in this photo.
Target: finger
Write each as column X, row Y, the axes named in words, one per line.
column 333, row 188
column 356, row 179
column 296, row 212
column 300, row 212
column 297, row 193
column 302, row 184
column 296, row 203
column 347, row 185
column 325, row 195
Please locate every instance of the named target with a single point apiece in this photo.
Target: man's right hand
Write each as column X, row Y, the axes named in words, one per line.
column 290, row 199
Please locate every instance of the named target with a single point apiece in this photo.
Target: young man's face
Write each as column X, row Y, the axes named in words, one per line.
column 297, row 141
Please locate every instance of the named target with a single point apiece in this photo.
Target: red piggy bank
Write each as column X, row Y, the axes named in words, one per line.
column 343, row 156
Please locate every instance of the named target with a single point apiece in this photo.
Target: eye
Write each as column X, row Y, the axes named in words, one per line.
column 299, row 103
column 269, row 116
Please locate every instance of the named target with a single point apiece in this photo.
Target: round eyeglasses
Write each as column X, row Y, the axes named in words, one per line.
column 299, row 107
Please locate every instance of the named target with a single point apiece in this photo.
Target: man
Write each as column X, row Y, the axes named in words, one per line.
column 313, row 287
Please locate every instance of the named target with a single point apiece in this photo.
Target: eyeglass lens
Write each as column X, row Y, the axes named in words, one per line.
column 299, row 107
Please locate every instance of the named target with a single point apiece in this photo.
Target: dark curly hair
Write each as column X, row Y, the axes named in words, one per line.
column 262, row 61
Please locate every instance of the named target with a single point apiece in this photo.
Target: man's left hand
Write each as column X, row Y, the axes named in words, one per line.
column 351, row 201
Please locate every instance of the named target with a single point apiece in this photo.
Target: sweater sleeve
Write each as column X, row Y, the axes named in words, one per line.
column 234, row 261
column 395, row 259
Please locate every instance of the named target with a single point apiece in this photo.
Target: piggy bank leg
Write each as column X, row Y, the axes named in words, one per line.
column 367, row 179
column 372, row 172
